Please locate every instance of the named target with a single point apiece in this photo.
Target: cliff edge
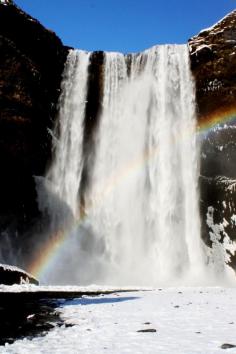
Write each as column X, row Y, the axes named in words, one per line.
column 31, row 63
column 213, row 62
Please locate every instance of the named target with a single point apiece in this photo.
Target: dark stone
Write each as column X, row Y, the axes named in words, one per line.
column 24, row 318
column 92, row 115
column 148, row 330
column 227, row 346
column 68, row 325
column 13, row 275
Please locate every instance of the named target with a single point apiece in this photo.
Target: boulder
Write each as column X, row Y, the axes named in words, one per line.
column 10, row 275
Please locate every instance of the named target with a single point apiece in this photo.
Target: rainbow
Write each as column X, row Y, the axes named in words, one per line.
column 50, row 250
column 46, row 255
column 219, row 117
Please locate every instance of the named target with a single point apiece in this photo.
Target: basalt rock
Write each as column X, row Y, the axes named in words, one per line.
column 13, row 275
column 213, row 62
column 31, row 63
column 218, row 210
column 92, row 114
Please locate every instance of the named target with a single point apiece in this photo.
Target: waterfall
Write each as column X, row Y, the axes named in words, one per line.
column 65, row 172
column 140, row 223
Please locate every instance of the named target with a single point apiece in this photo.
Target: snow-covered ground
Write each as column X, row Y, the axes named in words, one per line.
column 182, row 320
column 91, row 289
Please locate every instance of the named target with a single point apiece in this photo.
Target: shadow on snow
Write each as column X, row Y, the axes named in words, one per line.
column 100, row 300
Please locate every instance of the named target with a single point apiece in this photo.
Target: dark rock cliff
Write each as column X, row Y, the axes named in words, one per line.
column 31, row 63
column 92, row 114
column 213, row 61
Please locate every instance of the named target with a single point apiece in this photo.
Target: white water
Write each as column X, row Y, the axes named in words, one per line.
column 141, row 223
column 144, row 185
column 65, row 173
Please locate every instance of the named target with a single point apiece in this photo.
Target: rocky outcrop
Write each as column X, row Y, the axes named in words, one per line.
column 213, row 61
column 92, row 114
column 31, row 63
column 218, row 210
column 12, row 275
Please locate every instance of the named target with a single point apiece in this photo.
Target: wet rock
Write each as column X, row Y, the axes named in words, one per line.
column 68, row 325
column 92, row 115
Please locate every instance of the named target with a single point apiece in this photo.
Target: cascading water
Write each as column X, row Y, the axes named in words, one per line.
column 65, row 173
column 144, row 181
column 140, row 223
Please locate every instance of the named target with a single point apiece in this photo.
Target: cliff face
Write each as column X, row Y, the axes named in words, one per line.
column 31, row 63
column 213, row 60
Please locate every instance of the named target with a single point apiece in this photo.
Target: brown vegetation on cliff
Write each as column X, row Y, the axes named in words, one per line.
column 213, row 60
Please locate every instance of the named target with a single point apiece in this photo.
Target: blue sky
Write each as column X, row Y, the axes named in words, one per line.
column 126, row 25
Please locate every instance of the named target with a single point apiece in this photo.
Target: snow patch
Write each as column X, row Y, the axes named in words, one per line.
column 31, row 288
column 202, row 46
column 229, row 183
column 222, row 246
column 213, row 85
column 5, row 2
column 233, row 219
column 213, row 27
